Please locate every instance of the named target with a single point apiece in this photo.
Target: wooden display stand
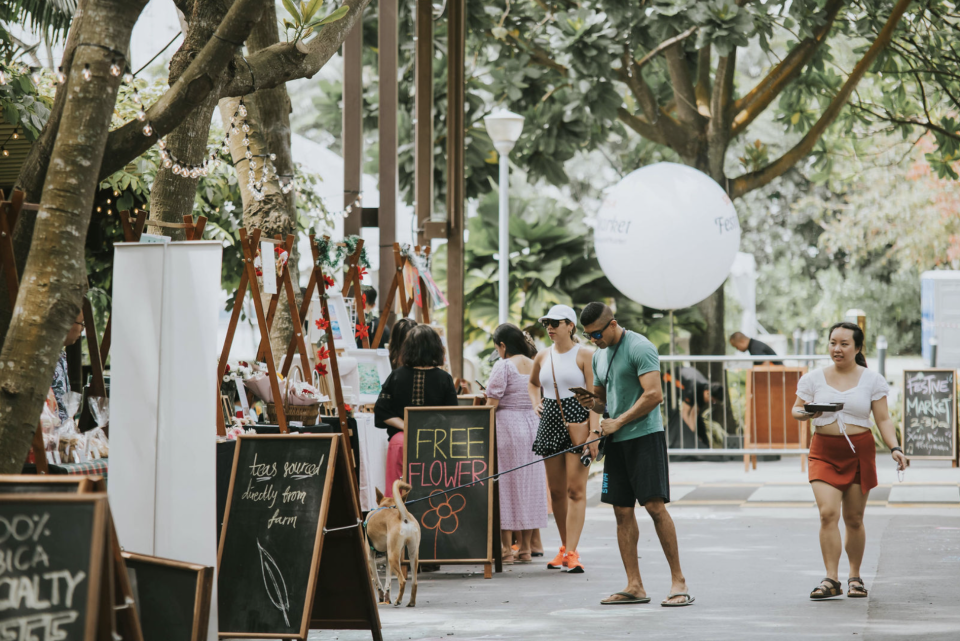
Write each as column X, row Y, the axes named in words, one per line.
column 352, row 279
column 768, row 423
column 396, row 285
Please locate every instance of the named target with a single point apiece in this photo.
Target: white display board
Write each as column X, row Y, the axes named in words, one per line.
column 373, row 460
column 162, row 486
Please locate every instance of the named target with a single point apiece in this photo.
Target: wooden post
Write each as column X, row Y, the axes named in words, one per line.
column 274, row 298
column 423, row 118
column 456, row 38
column 387, row 48
column 352, row 125
column 352, row 278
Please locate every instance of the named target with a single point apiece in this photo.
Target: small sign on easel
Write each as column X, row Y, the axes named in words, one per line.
column 268, row 266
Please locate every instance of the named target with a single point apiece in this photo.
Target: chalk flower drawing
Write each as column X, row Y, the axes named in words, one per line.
column 274, row 583
column 443, row 517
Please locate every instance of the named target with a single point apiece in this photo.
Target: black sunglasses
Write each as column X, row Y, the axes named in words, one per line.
column 599, row 334
column 551, row 322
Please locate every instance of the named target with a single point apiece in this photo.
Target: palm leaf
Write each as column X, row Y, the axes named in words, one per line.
column 51, row 17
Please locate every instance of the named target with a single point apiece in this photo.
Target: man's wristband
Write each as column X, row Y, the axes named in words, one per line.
column 597, row 432
column 896, row 448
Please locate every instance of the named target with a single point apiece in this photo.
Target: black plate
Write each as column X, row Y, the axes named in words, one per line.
column 813, row 408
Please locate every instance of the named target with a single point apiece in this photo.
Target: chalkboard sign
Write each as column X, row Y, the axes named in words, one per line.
column 929, row 414
column 445, row 447
column 43, row 484
column 278, row 493
column 172, row 597
column 52, row 565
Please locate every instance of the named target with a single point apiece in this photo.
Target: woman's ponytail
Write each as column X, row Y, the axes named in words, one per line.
column 861, row 359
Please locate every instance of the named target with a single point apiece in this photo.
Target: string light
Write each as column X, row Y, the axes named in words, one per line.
column 3, row 150
column 86, row 72
column 115, row 70
column 61, row 77
column 3, row 76
column 16, row 133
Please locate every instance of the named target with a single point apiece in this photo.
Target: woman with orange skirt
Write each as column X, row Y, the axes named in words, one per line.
column 843, row 464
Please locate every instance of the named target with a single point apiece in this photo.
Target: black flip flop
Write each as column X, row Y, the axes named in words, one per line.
column 820, row 592
column 631, row 599
column 861, row 590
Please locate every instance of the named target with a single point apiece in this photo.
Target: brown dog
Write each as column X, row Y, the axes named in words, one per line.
column 391, row 528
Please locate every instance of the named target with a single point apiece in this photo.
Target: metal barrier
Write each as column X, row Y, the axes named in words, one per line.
column 733, row 405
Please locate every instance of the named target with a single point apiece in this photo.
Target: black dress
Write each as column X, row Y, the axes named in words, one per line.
column 409, row 387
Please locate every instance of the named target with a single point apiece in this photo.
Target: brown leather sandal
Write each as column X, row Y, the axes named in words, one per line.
column 827, row 589
column 856, row 591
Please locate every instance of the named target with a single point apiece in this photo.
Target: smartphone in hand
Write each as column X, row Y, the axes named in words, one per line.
column 582, row 391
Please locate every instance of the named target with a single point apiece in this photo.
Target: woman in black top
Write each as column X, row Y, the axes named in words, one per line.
column 398, row 334
column 419, row 382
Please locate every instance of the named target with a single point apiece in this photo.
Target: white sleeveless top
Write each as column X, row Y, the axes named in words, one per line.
column 569, row 373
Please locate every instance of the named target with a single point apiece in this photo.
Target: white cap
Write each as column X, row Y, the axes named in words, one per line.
column 561, row 312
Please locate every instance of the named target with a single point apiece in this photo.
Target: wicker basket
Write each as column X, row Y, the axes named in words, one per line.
column 304, row 414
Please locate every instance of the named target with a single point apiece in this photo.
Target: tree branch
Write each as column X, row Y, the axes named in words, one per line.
column 282, row 62
column 629, row 73
column 188, row 92
column 642, row 127
column 703, row 81
column 718, row 129
column 766, row 91
column 682, row 86
column 929, row 126
column 777, row 168
column 664, row 45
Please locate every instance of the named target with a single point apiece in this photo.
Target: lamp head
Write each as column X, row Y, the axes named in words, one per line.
column 504, row 128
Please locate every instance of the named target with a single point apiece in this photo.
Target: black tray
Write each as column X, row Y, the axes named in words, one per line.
column 813, row 408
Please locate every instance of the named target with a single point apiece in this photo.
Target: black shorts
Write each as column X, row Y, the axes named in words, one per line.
column 636, row 470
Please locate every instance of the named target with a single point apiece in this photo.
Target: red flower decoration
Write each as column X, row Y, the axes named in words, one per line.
column 228, row 367
column 322, row 324
column 362, row 332
column 363, row 300
column 277, row 249
column 321, row 369
column 259, row 272
column 323, row 354
column 361, row 271
column 347, row 408
column 328, row 282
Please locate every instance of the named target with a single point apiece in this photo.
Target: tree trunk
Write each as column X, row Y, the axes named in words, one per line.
column 268, row 214
column 273, row 109
column 54, row 279
column 173, row 195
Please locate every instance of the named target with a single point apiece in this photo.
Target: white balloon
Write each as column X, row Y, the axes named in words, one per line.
column 666, row 236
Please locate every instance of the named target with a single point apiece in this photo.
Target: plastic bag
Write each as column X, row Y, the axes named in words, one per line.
column 49, row 422
column 71, row 444
column 97, row 446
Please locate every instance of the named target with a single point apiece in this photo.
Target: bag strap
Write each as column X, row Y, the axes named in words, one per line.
column 556, row 390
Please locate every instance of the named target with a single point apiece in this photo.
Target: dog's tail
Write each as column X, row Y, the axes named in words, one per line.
column 399, row 489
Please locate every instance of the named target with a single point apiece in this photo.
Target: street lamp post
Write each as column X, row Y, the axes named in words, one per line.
column 504, row 128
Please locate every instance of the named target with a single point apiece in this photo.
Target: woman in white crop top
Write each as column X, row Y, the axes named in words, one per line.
column 563, row 423
column 843, row 455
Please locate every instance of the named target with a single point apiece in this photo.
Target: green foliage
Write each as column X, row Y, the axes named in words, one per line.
column 48, row 18
column 22, row 102
column 305, row 20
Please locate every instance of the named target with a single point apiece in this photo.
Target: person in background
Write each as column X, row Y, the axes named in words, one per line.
column 373, row 321
column 843, row 454
column 743, row 343
column 563, row 424
column 418, row 382
column 61, row 382
column 686, row 426
column 400, row 330
column 626, row 387
column 523, row 495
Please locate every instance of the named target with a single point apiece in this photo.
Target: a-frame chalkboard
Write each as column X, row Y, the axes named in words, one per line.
column 930, row 414
column 127, row 622
column 446, row 447
column 291, row 555
column 62, row 585
column 172, row 597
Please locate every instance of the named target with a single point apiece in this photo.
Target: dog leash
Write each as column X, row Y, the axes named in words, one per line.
column 498, row 474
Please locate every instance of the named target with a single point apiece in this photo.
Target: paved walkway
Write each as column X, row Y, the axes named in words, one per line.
column 750, row 563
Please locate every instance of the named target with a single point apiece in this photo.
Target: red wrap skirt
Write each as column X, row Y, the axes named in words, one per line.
column 832, row 461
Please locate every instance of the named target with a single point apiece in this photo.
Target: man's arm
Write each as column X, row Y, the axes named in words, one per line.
column 650, row 399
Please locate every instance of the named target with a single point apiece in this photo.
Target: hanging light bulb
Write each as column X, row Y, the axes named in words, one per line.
column 35, row 76
column 86, row 73
column 136, row 96
column 3, row 77
column 141, row 114
column 115, row 70
column 3, row 150
column 61, row 77
column 176, row 169
column 242, row 110
column 128, row 78
column 167, row 163
column 246, row 128
column 162, row 143
column 147, row 130
column 16, row 133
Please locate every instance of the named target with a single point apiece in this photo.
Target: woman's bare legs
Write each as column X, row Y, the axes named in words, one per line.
column 854, row 504
column 829, row 500
column 575, row 499
column 557, row 484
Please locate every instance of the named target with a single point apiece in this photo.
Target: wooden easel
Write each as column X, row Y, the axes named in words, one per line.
column 395, row 285
column 297, row 340
column 424, row 295
column 352, row 278
column 249, row 245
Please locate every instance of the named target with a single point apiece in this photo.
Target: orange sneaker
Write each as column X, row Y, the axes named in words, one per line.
column 571, row 563
column 559, row 562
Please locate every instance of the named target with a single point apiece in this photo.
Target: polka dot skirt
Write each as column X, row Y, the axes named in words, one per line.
column 552, row 434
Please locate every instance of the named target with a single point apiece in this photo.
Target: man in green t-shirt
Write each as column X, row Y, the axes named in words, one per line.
column 626, row 387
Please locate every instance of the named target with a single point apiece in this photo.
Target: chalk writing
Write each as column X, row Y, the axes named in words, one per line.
column 929, row 414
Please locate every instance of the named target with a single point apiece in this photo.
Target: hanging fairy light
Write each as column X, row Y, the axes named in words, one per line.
column 86, row 73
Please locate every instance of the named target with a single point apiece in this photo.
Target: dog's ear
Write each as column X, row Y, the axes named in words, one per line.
column 379, row 495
